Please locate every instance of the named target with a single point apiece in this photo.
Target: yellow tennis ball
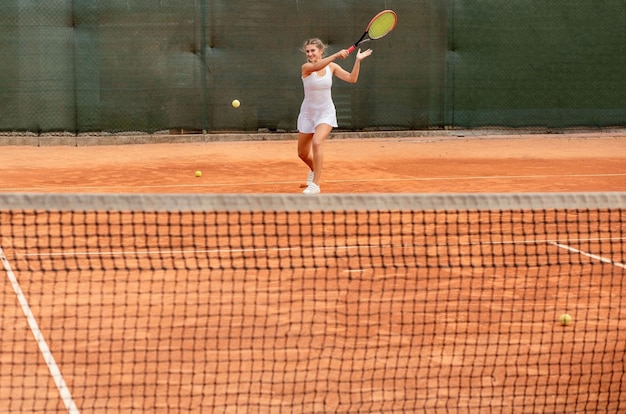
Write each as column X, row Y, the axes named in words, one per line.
column 236, row 103
column 565, row 319
column 198, row 173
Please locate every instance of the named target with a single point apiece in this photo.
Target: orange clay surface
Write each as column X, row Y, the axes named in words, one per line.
column 488, row 163
column 358, row 337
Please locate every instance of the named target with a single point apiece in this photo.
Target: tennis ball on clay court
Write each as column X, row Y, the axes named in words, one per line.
column 198, row 173
column 236, row 103
column 565, row 319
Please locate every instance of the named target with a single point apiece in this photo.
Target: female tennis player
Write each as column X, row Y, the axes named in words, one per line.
column 317, row 115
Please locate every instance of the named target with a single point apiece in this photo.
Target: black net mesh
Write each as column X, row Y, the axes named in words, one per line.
column 334, row 304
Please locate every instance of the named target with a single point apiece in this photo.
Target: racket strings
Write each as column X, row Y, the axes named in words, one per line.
column 382, row 25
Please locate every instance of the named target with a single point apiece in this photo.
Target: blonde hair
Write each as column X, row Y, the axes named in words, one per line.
column 316, row 42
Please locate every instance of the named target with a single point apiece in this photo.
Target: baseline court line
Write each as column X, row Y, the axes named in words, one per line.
column 43, row 345
column 292, row 182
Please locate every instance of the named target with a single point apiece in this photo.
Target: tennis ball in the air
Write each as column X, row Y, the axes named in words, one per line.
column 565, row 319
column 236, row 103
column 198, row 173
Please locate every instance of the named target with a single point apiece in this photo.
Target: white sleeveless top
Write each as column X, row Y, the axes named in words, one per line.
column 317, row 106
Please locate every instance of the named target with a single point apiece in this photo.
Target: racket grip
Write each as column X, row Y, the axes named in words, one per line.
column 351, row 49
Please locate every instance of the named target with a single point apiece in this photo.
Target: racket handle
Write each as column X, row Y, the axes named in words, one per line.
column 351, row 49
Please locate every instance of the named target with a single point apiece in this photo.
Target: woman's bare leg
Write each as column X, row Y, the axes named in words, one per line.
column 305, row 151
column 319, row 137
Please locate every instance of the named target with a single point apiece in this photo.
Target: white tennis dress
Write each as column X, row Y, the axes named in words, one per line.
column 317, row 106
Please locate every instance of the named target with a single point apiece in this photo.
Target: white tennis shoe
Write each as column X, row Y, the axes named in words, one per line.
column 312, row 189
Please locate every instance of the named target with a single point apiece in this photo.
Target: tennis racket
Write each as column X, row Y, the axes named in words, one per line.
column 379, row 26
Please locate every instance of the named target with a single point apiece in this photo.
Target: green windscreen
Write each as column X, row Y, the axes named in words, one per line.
column 556, row 63
column 142, row 65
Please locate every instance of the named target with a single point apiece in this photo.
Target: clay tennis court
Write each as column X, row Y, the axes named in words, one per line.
column 406, row 164
column 327, row 333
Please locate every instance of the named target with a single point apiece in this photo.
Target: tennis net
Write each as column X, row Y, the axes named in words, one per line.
column 333, row 303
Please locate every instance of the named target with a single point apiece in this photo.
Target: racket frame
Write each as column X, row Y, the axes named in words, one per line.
column 366, row 38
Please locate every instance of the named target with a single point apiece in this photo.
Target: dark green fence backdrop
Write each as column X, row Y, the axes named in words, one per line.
column 149, row 65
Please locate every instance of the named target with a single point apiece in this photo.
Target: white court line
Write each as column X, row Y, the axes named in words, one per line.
column 75, row 253
column 43, row 345
column 476, row 177
column 552, row 242
column 590, row 255
column 292, row 182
